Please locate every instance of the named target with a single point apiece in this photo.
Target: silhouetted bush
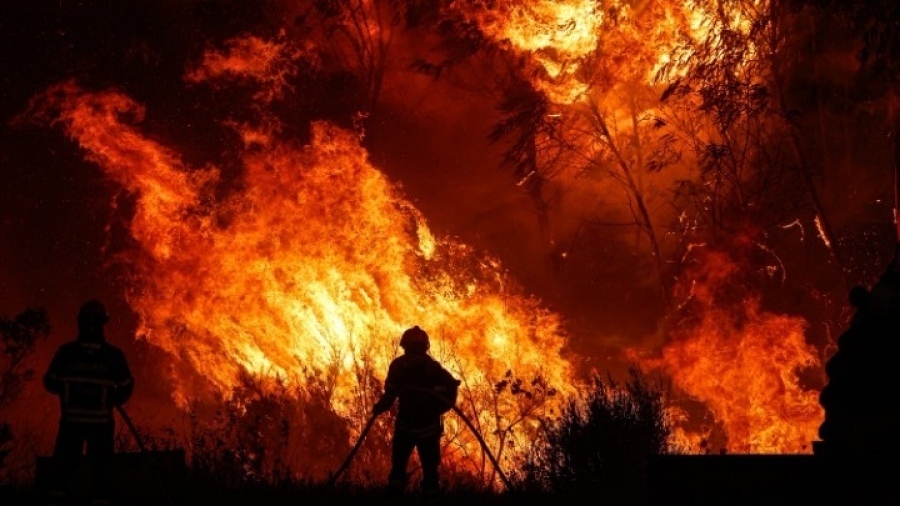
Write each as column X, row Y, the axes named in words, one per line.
column 601, row 443
column 271, row 431
column 5, row 439
column 17, row 339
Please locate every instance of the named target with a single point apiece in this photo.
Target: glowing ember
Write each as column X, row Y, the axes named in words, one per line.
column 315, row 265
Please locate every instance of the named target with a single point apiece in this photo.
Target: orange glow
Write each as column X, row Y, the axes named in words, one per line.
column 270, row 64
column 613, row 59
column 575, row 48
column 314, row 266
column 310, row 266
column 556, row 35
column 743, row 363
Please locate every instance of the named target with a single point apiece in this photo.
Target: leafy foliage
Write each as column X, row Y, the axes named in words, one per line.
column 267, row 433
column 601, row 444
column 5, row 439
column 874, row 20
column 18, row 337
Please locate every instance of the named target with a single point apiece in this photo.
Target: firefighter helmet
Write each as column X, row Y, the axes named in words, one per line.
column 414, row 337
column 93, row 311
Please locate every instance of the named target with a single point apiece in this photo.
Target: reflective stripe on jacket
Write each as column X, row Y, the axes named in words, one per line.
column 90, row 378
column 420, row 383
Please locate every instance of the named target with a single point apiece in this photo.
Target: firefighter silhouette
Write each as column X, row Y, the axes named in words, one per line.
column 91, row 377
column 425, row 391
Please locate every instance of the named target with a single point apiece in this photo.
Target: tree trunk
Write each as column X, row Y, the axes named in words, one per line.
column 829, row 238
column 641, row 214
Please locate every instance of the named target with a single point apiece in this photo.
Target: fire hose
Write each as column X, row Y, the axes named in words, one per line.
column 355, row 449
column 140, row 443
column 132, row 428
column 459, row 413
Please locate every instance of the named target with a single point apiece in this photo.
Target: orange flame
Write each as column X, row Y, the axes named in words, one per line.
column 739, row 360
column 316, row 264
column 575, row 47
column 557, row 35
column 269, row 63
column 743, row 363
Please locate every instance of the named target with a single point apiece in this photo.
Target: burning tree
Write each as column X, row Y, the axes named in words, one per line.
column 680, row 107
column 307, row 273
column 278, row 276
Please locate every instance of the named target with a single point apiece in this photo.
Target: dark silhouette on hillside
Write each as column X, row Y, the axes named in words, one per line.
column 862, row 417
column 426, row 391
column 91, row 378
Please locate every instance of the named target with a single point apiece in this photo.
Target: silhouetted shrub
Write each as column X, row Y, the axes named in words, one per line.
column 17, row 339
column 271, row 431
column 601, row 443
column 5, row 439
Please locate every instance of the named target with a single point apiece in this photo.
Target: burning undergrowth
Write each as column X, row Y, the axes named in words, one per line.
column 305, row 277
column 278, row 293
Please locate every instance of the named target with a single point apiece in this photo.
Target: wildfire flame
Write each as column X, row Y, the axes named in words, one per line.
column 575, row 47
column 556, row 35
column 740, row 361
column 270, row 63
column 316, row 264
column 744, row 364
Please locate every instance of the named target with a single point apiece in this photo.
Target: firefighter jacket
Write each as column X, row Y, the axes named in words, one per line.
column 90, row 378
column 425, row 389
